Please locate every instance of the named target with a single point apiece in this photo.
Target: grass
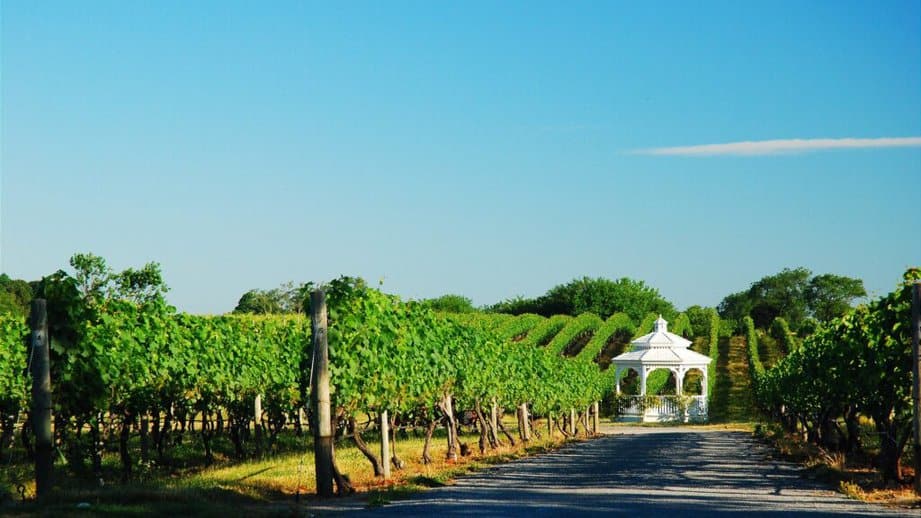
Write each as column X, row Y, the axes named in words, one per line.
column 853, row 476
column 732, row 399
column 259, row 487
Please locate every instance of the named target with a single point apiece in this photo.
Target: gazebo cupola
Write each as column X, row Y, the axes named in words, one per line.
column 662, row 350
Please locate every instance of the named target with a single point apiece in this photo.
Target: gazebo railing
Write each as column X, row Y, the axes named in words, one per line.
column 663, row 408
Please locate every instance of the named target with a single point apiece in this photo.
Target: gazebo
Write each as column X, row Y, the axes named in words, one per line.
column 662, row 350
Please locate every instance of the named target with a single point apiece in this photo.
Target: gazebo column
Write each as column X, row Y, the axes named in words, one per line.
column 644, row 371
column 679, row 380
column 704, row 384
column 617, row 372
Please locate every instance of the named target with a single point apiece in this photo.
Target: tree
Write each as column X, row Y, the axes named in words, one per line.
column 830, row 296
column 782, row 294
column 450, row 304
column 795, row 295
column 286, row 299
column 92, row 276
column 700, row 318
column 259, row 302
column 15, row 295
column 600, row 296
column 98, row 284
column 140, row 286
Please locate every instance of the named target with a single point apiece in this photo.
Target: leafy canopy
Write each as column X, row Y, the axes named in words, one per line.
column 596, row 295
column 796, row 296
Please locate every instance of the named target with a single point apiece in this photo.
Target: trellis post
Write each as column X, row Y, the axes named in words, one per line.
column 916, row 380
column 41, row 398
column 320, row 397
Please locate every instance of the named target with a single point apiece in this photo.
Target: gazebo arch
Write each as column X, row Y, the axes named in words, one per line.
column 663, row 350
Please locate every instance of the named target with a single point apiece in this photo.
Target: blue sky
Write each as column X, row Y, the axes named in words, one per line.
column 487, row 149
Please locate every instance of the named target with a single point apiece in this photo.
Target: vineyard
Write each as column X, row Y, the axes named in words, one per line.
column 143, row 379
column 146, row 385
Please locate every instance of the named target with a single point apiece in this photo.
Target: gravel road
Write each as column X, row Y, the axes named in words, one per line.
column 675, row 472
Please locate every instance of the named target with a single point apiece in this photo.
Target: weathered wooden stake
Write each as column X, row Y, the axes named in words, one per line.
column 494, row 419
column 916, row 381
column 320, row 398
column 595, row 417
column 385, row 444
column 41, row 398
column 525, row 422
column 257, row 422
column 572, row 421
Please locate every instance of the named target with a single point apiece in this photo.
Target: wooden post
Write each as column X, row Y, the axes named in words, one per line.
column 323, row 432
column 385, row 444
column 595, row 417
column 494, row 418
column 916, row 381
column 572, row 421
column 525, row 422
column 257, row 422
column 41, row 398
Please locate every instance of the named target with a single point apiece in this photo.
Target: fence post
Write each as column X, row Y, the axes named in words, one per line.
column 41, row 398
column 595, row 417
column 385, row 443
column 916, row 381
column 320, row 398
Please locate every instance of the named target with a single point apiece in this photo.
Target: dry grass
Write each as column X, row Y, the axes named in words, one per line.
column 266, row 486
column 852, row 476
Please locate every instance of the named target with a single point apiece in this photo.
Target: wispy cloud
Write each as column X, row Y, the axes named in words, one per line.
column 783, row 146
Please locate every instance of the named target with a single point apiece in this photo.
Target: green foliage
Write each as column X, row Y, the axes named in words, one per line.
column 830, row 296
column 520, row 326
column 794, row 295
column 781, row 332
column 616, row 324
column 14, row 335
column 754, row 356
column 600, row 296
column 258, row 302
column 584, row 324
column 15, row 295
column 450, row 304
column 713, row 352
column 119, row 358
column 542, row 333
column 482, row 321
column 857, row 364
column 699, row 318
column 681, row 326
column 286, row 299
column 646, row 325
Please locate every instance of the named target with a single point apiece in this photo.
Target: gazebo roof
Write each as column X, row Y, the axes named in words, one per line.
column 661, row 347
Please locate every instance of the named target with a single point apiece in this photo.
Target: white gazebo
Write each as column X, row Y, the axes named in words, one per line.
column 663, row 350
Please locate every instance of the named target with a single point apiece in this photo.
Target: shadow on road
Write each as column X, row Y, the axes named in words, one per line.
column 682, row 473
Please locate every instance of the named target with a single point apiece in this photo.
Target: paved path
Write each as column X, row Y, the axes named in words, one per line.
column 639, row 471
